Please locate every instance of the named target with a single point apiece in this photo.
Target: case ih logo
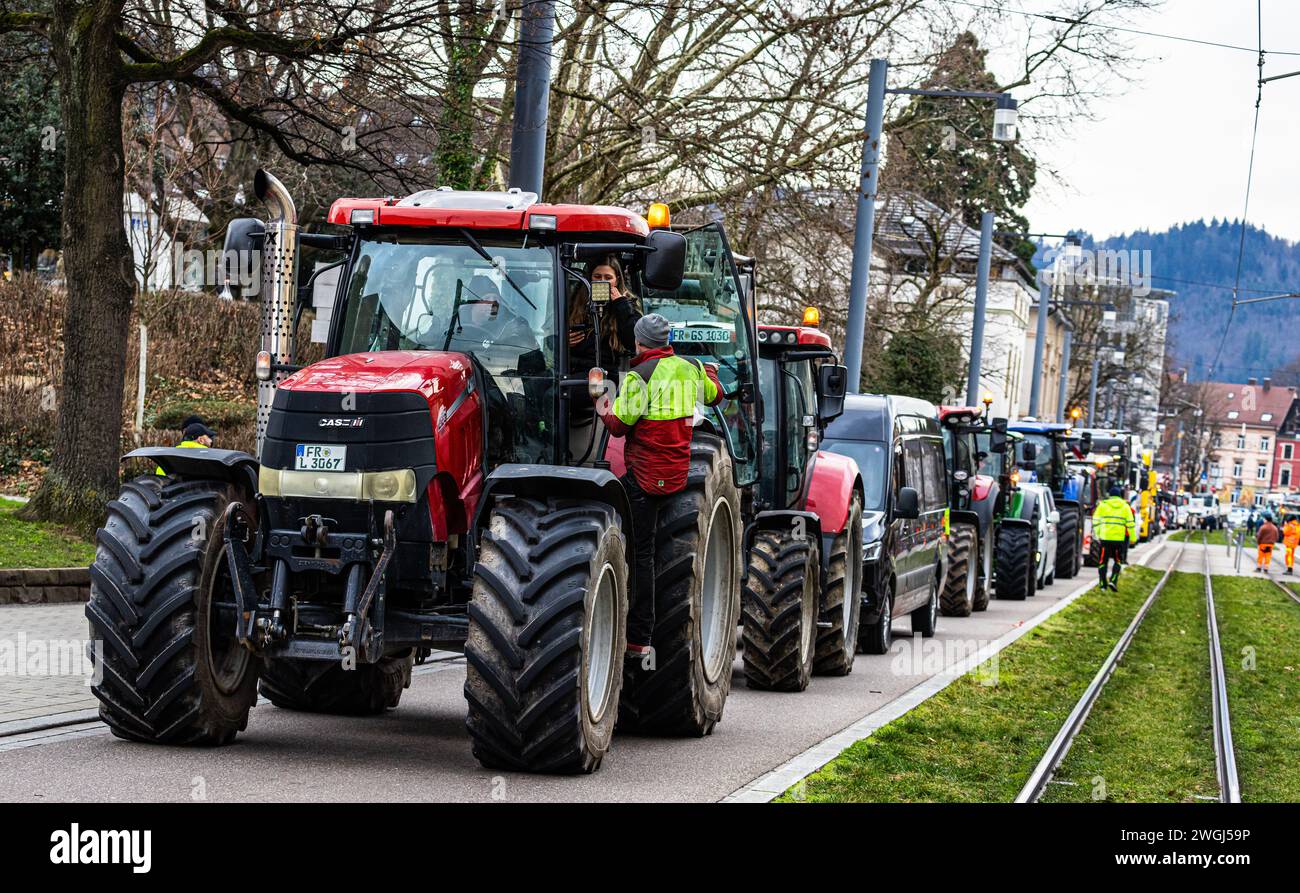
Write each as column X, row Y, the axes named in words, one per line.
column 342, row 423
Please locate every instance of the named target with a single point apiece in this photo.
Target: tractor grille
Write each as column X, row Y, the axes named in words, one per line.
column 381, row 431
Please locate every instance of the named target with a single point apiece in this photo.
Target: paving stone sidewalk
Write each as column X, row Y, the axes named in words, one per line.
column 42, row 650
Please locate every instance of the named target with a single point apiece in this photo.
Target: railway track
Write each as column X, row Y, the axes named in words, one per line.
column 1225, row 759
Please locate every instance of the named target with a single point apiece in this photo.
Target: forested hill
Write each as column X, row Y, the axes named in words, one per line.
column 1263, row 338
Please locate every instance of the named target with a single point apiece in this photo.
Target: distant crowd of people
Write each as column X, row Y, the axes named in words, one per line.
column 1262, row 526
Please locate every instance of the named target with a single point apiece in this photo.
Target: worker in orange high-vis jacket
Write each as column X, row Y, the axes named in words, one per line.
column 1291, row 539
column 654, row 410
column 1267, row 537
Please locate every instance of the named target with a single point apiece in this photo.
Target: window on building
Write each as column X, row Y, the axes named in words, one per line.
column 1241, row 441
column 1284, row 476
column 1236, row 469
column 1261, row 472
column 1263, row 442
column 1232, row 413
column 1287, row 449
column 1266, row 417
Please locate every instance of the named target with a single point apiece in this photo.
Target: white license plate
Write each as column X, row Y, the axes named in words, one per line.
column 320, row 457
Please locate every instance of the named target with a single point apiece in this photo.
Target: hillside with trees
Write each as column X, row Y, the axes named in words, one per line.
column 1198, row 261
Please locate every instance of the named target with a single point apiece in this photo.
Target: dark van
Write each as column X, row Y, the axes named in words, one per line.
column 898, row 445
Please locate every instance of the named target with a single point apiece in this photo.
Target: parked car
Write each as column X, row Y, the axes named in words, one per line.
column 1048, row 518
column 1238, row 516
column 898, row 446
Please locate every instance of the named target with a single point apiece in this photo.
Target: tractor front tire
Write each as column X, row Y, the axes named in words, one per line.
column 314, row 686
column 841, row 599
column 1016, row 569
column 779, row 611
column 547, row 635
column 169, row 670
column 698, row 574
column 1068, row 545
column 959, row 590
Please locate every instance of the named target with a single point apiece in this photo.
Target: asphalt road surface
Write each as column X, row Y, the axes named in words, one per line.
column 420, row 751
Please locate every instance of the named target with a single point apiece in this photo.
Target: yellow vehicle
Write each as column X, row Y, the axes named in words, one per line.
column 1148, row 503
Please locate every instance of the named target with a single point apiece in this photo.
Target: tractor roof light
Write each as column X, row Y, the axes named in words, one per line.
column 812, row 317
column 542, row 221
column 362, row 216
column 657, row 215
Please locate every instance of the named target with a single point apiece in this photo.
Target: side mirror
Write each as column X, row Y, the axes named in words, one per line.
column 832, row 384
column 1028, row 452
column 908, row 504
column 241, row 264
column 665, row 263
column 1054, row 517
column 997, row 441
column 1085, row 442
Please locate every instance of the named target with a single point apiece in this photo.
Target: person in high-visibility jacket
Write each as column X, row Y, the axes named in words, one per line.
column 1291, row 539
column 1115, row 527
column 196, row 436
column 1266, row 538
column 653, row 411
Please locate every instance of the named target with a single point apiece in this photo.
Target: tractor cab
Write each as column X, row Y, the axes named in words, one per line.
column 802, row 387
column 1043, row 456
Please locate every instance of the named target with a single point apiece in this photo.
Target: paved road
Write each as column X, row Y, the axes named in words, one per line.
column 420, row 751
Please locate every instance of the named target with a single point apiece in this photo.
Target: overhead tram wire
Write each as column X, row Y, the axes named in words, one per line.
column 1066, row 20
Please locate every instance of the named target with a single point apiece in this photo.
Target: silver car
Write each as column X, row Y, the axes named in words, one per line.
column 1045, row 511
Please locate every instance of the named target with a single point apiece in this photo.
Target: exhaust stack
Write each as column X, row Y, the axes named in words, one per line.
column 279, row 288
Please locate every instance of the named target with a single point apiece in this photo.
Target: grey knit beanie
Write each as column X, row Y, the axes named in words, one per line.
column 651, row 330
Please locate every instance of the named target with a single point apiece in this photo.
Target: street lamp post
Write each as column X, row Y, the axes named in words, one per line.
column 1005, row 119
column 981, row 307
column 1065, row 375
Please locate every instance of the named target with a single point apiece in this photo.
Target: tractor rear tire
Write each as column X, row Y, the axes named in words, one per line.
column 698, row 574
column 1067, row 544
column 1094, row 553
column 1016, row 569
column 547, row 635
column 779, row 611
column 841, row 599
column 984, row 591
column 314, row 686
column 168, row 674
column 959, row 590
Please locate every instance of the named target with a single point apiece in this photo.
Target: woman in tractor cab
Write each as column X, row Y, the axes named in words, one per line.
column 617, row 343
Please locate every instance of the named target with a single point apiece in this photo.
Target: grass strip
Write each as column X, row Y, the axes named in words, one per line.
column 1149, row 737
column 1259, row 628
column 979, row 738
column 37, row 544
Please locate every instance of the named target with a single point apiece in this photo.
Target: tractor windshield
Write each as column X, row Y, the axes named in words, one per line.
column 491, row 298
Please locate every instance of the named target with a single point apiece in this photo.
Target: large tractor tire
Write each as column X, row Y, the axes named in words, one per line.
column 841, row 599
column 698, row 573
column 1068, row 543
column 962, row 583
column 987, row 546
column 547, row 635
column 327, row 687
column 171, row 671
column 1094, row 553
column 779, row 611
column 1016, row 569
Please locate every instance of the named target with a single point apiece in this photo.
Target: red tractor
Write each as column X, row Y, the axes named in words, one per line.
column 421, row 488
column 803, row 585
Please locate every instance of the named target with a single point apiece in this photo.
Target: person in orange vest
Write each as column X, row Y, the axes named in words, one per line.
column 1267, row 537
column 1291, row 539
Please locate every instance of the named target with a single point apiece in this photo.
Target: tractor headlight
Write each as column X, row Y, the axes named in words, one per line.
column 372, row 486
column 871, row 552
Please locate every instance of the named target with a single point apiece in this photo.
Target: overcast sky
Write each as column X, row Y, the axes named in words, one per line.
column 1175, row 146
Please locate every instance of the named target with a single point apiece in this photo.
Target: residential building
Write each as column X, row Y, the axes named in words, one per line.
column 1248, row 421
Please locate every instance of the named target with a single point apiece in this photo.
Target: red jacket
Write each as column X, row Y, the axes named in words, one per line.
column 654, row 411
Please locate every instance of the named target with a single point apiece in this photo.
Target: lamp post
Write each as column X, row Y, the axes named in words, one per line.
column 532, row 95
column 981, row 308
column 1005, row 120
